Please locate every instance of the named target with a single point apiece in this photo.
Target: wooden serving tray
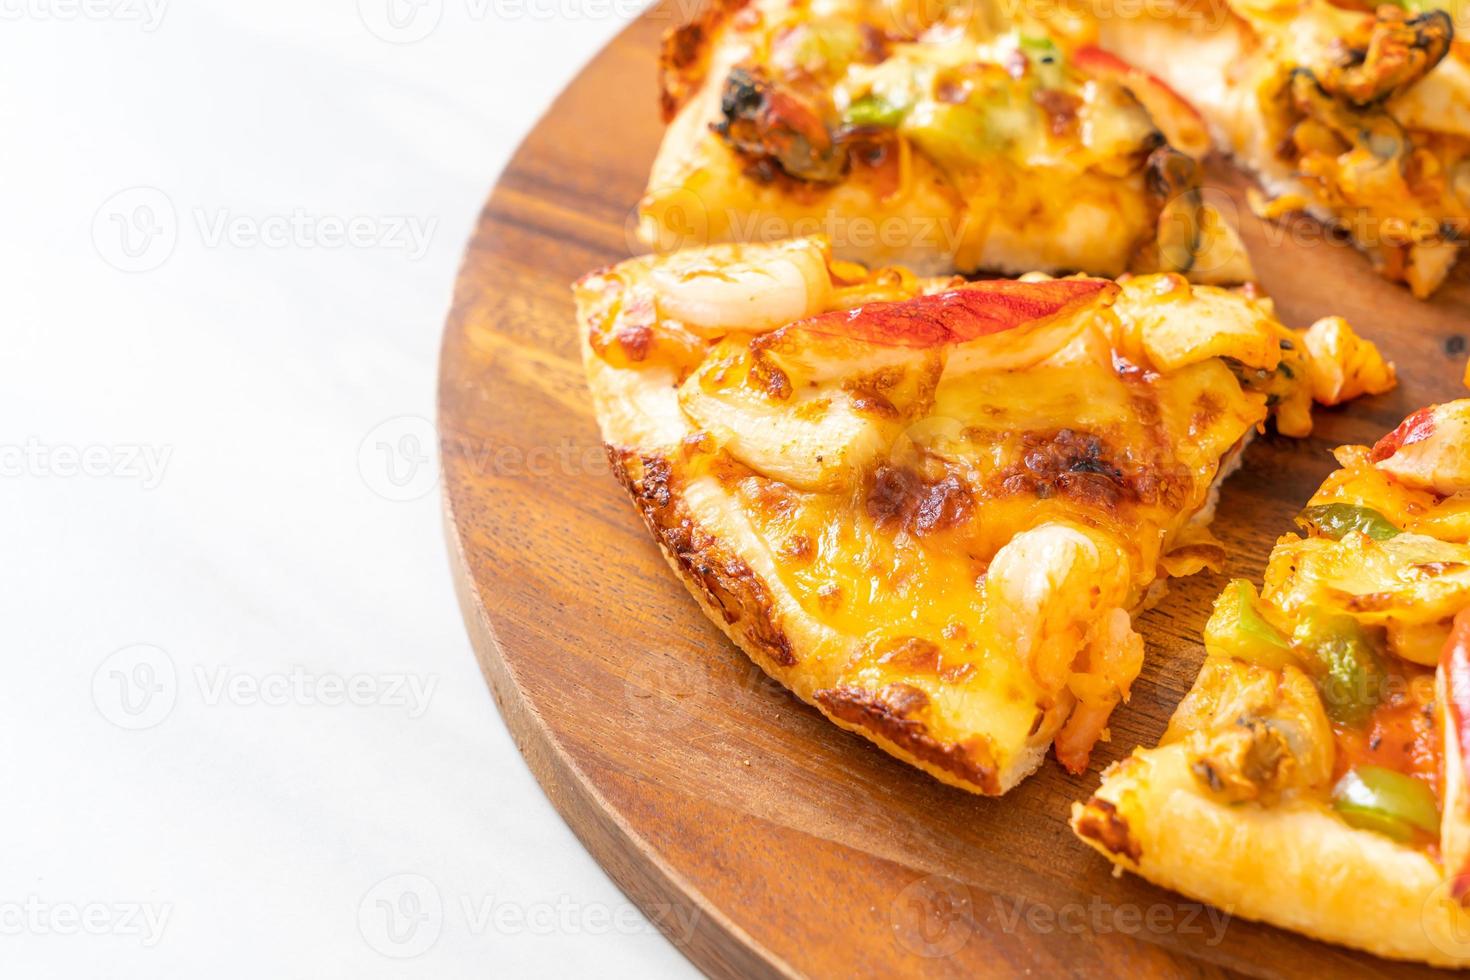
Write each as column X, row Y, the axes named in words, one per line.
column 763, row 840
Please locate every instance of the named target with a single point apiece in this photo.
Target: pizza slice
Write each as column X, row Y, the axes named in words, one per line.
column 1315, row 776
column 936, row 136
column 1356, row 113
column 929, row 507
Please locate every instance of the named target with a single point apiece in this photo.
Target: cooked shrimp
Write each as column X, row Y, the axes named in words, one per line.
column 1114, row 659
column 1044, row 587
column 725, row 288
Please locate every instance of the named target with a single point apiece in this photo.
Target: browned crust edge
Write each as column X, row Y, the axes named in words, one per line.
column 733, row 594
column 726, row 582
column 1100, row 821
column 684, row 55
column 886, row 713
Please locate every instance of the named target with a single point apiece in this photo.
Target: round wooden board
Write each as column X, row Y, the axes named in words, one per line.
column 760, row 838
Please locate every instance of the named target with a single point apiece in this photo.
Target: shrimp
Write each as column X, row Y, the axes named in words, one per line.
column 755, row 288
column 1044, row 589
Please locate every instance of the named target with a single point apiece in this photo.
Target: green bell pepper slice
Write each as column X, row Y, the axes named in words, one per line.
column 1335, row 520
column 873, row 110
column 1388, row 802
column 1237, row 629
column 1343, row 662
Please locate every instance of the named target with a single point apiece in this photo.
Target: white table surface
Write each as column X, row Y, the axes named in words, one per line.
column 246, row 735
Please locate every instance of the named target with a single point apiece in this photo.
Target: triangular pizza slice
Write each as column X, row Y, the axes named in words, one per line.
column 1314, row 777
column 929, row 508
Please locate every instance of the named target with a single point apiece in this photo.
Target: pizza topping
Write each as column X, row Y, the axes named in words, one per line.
column 991, row 472
column 1359, row 118
column 902, row 499
column 1237, row 629
column 1180, row 121
column 1335, row 520
column 1345, row 664
column 825, row 46
column 1400, row 50
column 959, row 315
column 1455, row 664
column 778, row 128
column 1401, row 734
column 1102, row 678
column 1341, row 365
column 1253, row 733
column 1387, row 802
column 1416, row 428
column 722, row 288
column 874, row 110
column 1430, row 450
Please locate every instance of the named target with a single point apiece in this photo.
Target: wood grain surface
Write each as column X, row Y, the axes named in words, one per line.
column 761, row 839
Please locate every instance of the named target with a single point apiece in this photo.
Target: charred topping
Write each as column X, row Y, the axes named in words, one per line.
column 1399, row 51
column 1173, row 179
column 684, row 58
column 900, row 499
column 777, row 129
column 1078, row 466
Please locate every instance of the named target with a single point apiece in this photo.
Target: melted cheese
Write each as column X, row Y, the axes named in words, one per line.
column 972, row 520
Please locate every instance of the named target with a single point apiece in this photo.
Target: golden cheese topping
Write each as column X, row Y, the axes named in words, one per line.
column 966, row 487
column 998, row 147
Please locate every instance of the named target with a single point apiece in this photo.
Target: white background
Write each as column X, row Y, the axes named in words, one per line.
column 238, row 695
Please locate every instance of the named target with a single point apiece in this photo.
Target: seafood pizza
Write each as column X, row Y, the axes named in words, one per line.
column 930, row 507
column 1354, row 112
column 939, row 136
column 1315, row 777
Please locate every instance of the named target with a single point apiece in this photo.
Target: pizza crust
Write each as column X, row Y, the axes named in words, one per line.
column 1297, row 866
column 709, row 544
